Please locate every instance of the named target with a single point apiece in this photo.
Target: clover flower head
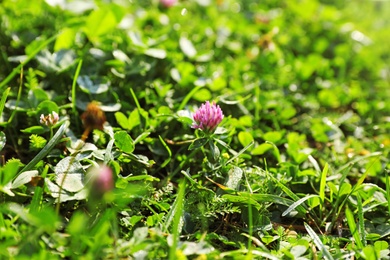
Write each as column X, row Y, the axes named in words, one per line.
column 207, row 117
column 102, row 180
column 168, row 3
column 50, row 119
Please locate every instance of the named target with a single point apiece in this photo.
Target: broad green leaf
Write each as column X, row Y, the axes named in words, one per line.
column 273, row 137
column 100, row 22
column 261, row 149
column 381, row 245
column 65, row 39
column 124, row 141
column 69, row 174
column 88, row 86
column 10, row 170
column 245, row 138
column 369, row 253
column 122, row 120
column 298, row 250
column 46, row 107
column 23, row 178
column 202, row 95
column 234, row 177
column 77, row 224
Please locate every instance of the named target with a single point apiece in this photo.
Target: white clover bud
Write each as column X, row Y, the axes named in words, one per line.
column 49, row 120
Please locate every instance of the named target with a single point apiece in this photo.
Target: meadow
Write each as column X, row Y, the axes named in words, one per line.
column 194, row 129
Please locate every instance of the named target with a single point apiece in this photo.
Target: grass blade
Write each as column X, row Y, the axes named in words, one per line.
column 74, row 83
column 388, row 191
column 177, row 211
column 21, row 65
column 38, row 193
column 3, row 99
column 317, row 241
column 297, row 203
column 352, row 227
column 49, row 146
column 361, row 220
column 166, row 161
column 322, row 187
column 188, row 97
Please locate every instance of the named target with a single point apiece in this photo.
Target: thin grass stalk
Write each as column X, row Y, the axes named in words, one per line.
column 353, row 228
column 324, row 173
column 250, row 224
column 74, row 90
column 388, row 192
column 22, row 64
column 361, row 220
column 178, row 212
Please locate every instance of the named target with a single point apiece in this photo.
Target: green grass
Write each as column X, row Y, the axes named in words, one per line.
column 297, row 169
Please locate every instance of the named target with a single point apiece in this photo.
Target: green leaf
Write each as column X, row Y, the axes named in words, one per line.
column 23, row 178
column 273, row 137
column 245, row 138
column 77, row 224
column 122, row 120
column 197, row 143
column 298, row 250
column 37, row 142
column 34, row 130
column 88, row 86
column 69, row 174
column 46, row 107
column 202, row 95
column 10, row 170
column 65, row 39
column 261, row 149
column 215, row 153
column 100, row 22
column 234, row 177
column 124, row 141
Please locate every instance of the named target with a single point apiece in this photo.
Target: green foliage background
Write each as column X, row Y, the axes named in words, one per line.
column 304, row 87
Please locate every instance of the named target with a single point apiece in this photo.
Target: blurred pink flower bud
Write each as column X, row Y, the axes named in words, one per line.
column 102, row 180
column 168, row 3
column 207, row 117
